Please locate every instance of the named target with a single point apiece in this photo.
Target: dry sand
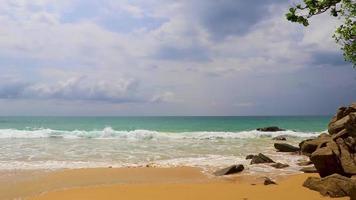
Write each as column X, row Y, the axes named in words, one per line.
column 151, row 183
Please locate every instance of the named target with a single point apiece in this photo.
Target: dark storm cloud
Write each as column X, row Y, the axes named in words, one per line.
column 223, row 18
column 328, row 58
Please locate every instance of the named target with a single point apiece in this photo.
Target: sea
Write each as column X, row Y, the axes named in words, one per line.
column 51, row 143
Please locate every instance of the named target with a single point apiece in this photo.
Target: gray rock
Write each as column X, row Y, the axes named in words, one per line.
column 311, row 169
column 229, row 170
column 283, row 147
column 270, row 129
column 248, row 157
column 305, row 163
column 260, row 158
column 334, row 185
column 279, row 165
column 280, row 137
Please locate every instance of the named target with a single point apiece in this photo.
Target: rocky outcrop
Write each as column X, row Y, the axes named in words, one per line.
column 260, row 158
column 344, row 118
column 334, row 185
column 307, row 147
column 229, row 170
column 284, row 147
column 248, row 157
column 335, row 152
column 270, row 129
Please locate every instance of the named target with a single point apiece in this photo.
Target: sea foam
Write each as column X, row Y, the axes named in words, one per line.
column 110, row 133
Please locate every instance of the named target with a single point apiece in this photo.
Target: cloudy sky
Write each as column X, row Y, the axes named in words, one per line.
column 163, row 57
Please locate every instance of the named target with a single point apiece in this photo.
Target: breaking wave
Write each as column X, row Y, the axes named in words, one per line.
column 110, row 133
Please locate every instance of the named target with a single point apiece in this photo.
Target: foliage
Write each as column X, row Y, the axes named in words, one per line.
column 345, row 10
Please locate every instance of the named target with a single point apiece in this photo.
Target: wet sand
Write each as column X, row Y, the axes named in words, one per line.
column 148, row 183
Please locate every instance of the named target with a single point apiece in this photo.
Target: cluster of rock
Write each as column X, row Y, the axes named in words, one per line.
column 331, row 155
column 334, row 155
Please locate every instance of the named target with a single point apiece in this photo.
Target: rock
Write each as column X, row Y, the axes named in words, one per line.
column 311, row 169
column 348, row 162
column 305, row 163
column 307, row 147
column 353, row 193
column 343, row 111
column 268, row 181
column 283, row 147
column 279, row 165
column 280, row 137
column 334, row 185
column 338, row 125
column 248, row 157
column 260, row 158
column 229, row 170
column 270, row 129
column 351, row 143
column 325, row 162
column 343, row 133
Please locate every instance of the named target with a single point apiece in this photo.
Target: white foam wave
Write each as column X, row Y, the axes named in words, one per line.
column 110, row 133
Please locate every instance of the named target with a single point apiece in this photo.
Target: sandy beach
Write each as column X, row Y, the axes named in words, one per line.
column 148, row 183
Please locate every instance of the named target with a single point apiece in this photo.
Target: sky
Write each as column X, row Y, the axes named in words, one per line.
column 164, row 57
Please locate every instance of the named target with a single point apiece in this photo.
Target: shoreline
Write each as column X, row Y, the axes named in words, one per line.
column 148, row 183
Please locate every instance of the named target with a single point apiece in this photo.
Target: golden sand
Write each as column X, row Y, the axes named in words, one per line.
column 154, row 183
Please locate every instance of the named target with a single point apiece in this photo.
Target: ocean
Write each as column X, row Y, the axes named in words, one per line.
column 208, row 142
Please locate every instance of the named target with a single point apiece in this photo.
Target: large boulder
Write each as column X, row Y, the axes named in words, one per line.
column 326, row 162
column 346, row 158
column 334, row 185
column 260, row 158
column 270, row 129
column 347, row 122
column 284, row 147
column 307, row 147
column 229, row 170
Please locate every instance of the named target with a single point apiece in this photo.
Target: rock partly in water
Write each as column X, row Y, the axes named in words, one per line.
column 304, row 163
column 268, row 181
column 280, row 137
column 260, row 158
column 270, row 129
column 311, row 169
column 229, row 170
column 283, row 147
column 248, row 157
column 279, row 165
column 334, row 185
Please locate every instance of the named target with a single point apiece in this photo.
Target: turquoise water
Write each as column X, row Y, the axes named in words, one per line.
column 166, row 124
column 206, row 142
